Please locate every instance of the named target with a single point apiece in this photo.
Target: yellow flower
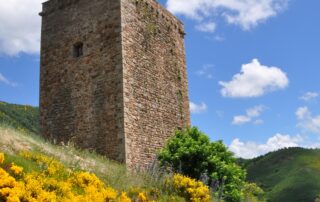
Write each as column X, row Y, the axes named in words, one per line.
column 124, row 198
column 191, row 189
column 142, row 197
column 110, row 194
column 6, row 180
column 53, row 182
column 17, row 170
column 1, row 158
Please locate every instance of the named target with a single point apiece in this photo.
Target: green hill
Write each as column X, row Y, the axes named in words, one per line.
column 287, row 175
column 21, row 117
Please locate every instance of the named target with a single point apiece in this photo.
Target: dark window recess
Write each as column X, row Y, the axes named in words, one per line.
column 77, row 49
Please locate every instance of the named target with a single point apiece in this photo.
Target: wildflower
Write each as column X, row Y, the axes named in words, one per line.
column 191, row 189
column 6, row 180
column 1, row 158
column 124, row 198
column 142, row 197
column 17, row 170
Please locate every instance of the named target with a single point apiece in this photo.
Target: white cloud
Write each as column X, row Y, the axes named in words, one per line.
column 198, row 109
column 302, row 113
column 6, row 81
column 253, row 149
column 254, row 80
column 206, row 27
column 206, row 71
column 255, row 111
column 251, row 114
column 240, row 120
column 20, row 26
column 307, row 121
column 309, row 96
column 245, row 13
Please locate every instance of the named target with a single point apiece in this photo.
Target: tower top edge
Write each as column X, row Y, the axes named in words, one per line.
column 50, row 6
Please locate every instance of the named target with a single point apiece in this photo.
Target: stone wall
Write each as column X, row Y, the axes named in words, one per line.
column 81, row 99
column 127, row 92
column 155, row 82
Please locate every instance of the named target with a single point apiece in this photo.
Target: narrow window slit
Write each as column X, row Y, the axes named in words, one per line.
column 77, row 49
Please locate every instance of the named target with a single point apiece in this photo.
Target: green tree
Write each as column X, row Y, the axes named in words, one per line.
column 191, row 153
column 253, row 193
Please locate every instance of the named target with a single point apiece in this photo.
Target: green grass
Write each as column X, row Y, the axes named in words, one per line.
column 287, row 175
column 28, row 165
column 19, row 129
column 112, row 173
column 21, row 117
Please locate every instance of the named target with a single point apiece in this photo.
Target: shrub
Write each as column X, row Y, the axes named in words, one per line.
column 190, row 189
column 191, row 153
column 52, row 181
column 253, row 193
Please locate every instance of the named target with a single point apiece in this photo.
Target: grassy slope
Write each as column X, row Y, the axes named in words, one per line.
column 18, row 132
column 22, row 117
column 287, row 175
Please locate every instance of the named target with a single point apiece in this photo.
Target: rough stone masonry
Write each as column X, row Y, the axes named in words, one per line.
column 113, row 77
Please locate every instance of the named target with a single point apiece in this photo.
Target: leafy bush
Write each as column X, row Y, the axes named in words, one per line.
column 253, row 193
column 191, row 153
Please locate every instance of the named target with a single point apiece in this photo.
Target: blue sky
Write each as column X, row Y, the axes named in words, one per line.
column 253, row 68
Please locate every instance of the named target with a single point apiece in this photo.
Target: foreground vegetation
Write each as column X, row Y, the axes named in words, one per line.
column 286, row 175
column 191, row 153
column 37, row 167
column 50, row 180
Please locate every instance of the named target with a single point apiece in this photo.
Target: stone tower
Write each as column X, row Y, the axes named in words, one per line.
column 113, row 77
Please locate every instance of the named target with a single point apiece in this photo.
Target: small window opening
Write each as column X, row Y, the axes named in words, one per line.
column 78, row 50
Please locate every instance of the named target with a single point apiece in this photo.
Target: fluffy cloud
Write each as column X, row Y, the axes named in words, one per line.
column 255, row 111
column 20, row 26
column 206, row 27
column 246, row 13
column 302, row 113
column 253, row 149
column 198, row 109
column 309, row 96
column 240, row 120
column 6, row 81
column 307, row 121
column 250, row 115
column 254, row 80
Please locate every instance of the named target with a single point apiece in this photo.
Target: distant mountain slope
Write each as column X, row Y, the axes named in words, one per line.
column 21, row 117
column 287, row 175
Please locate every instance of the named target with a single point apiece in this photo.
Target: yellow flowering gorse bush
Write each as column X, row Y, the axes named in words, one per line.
column 52, row 182
column 191, row 189
column 17, row 170
column 1, row 158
